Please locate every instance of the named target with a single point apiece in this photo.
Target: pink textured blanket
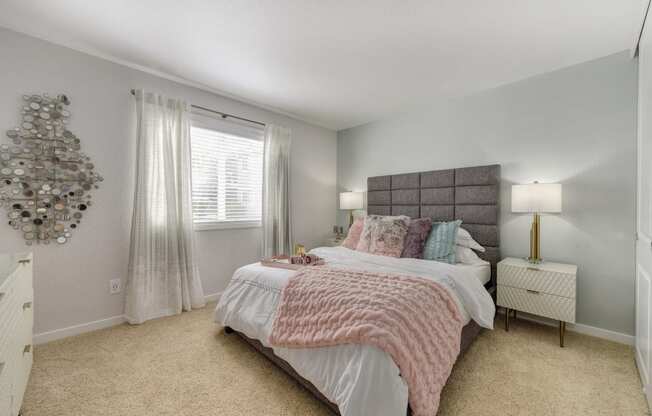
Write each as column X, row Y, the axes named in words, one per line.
column 414, row 320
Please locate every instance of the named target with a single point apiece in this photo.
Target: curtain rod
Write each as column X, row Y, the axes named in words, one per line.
column 223, row 115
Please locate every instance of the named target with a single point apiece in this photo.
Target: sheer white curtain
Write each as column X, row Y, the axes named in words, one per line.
column 163, row 275
column 277, row 227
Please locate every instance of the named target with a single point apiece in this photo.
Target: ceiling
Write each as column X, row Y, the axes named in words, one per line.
column 337, row 63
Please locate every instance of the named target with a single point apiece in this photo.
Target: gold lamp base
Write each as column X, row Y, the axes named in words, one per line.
column 535, row 230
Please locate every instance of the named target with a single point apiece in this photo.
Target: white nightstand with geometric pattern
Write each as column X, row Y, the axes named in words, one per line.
column 544, row 289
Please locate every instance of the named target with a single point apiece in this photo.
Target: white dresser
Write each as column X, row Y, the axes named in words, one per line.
column 16, row 324
column 545, row 289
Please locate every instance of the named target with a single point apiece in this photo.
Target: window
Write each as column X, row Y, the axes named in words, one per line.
column 227, row 174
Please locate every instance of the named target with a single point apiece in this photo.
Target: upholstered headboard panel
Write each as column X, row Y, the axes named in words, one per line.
column 469, row 194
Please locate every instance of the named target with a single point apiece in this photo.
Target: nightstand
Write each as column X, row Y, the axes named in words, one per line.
column 544, row 289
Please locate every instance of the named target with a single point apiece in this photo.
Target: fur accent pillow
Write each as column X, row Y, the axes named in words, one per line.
column 383, row 235
column 353, row 236
column 415, row 239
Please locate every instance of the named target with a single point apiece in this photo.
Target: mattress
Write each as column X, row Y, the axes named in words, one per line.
column 481, row 271
column 359, row 379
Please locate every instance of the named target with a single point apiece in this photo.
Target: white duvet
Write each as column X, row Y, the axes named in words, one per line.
column 360, row 379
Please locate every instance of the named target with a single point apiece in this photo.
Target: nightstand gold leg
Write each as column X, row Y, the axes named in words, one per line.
column 507, row 311
column 562, row 332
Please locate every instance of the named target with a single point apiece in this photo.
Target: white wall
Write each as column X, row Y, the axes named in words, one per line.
column 576, row 126
column 71, row 281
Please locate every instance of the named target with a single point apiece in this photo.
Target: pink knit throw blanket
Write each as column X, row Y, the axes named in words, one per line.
column 414, row 320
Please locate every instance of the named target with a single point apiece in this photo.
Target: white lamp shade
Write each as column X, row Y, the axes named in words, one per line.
column 351, row 200
column 537, row 197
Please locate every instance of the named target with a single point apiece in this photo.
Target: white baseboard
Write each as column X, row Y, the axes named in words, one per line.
column 579, row 328
column 213, row 297
column 70, row 331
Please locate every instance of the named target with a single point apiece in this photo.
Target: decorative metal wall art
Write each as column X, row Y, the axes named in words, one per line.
column 45, row 180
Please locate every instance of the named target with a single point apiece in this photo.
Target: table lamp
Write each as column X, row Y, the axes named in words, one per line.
column 536, row 198
column 351, row 201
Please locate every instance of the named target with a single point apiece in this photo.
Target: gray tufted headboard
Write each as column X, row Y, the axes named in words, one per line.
column 468, row 194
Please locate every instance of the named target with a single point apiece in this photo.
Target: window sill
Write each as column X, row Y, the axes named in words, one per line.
column 227, row 225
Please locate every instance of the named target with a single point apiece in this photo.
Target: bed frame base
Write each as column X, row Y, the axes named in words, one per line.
column 469, row 333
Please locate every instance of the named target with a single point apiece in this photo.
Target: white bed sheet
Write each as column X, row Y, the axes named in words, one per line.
column 481, row 271
column 360, row 379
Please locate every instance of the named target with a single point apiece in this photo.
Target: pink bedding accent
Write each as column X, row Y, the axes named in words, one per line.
column 353, row 237
column 414, row 320
column 383, row 235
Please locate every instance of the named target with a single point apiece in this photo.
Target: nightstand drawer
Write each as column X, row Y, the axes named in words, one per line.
column 538, row 279
column 538, row 303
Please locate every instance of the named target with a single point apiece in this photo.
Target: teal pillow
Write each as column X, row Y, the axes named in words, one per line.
column 440, row 245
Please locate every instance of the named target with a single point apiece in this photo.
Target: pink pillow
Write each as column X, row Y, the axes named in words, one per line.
column 383, row 235
column 352, row 238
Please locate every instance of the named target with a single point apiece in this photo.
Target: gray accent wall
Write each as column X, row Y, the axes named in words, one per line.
column 576, row 126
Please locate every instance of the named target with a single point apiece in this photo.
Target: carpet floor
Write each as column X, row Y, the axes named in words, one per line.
column 186, row 365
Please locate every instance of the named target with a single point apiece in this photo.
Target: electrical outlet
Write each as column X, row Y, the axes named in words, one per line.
column 115, row 286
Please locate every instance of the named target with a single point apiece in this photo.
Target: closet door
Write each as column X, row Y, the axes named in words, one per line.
column 644, row 211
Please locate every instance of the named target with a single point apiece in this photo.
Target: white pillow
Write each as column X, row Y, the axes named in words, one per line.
column 465, row 255
column 464, row 239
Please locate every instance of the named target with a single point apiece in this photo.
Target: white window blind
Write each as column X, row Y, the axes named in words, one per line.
column 227, row 174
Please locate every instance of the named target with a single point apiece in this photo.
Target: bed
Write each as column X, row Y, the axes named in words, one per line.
column 359, row 379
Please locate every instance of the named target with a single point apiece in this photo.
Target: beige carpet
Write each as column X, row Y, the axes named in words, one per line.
column 185, row 365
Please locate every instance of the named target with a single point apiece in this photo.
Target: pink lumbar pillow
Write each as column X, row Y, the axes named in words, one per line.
column 353, row 237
